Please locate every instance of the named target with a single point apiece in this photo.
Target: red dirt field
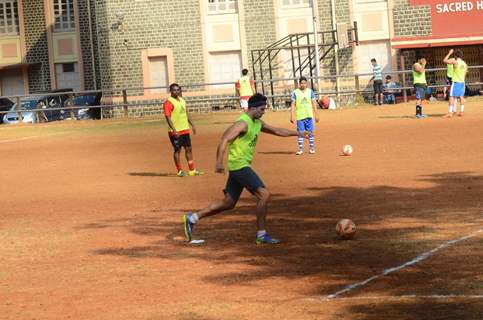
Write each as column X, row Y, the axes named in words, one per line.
column 90, row 222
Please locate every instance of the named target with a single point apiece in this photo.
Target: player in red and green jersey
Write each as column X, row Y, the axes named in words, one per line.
column 245, row 88
column 241, row 139
column 179, row 124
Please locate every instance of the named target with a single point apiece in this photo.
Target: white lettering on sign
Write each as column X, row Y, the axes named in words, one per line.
column 462, row 6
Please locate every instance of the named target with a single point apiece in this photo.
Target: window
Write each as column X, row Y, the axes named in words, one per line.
column 221, row 6
column 158, row 74
column 68, row 76
column 64, row 15
column 224, row 67
column 296, row 3
column 8, row 17
column 68, row 67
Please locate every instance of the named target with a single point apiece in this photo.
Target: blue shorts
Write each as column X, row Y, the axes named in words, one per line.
column 420, row 92
column 306, row 124
column 457, row 89
column 240, row 179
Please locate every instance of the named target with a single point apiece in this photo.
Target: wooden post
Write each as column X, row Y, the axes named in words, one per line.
column 124, row 101
column 403, row 67
column 19, row 112
column 71, row 104
column 358, row 88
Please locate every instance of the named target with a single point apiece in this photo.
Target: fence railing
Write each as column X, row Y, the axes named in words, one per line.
column 120, row 101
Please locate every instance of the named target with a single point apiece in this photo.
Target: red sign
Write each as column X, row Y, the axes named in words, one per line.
column 455, row 19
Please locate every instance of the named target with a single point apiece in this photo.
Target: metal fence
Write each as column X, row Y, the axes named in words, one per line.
column 133, row 101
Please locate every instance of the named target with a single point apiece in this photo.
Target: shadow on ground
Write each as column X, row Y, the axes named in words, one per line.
column 423, row 309
column 277, row 152
column 152, row 174
column 395, row 225
column 430, row 115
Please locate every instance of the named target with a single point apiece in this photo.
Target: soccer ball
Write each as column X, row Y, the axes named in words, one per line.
column 345, row 229
column 347, row 150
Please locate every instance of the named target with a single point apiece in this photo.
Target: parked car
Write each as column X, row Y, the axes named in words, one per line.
column 90, row 99
column 50, row 108
column 27, row 116
column 5, row 105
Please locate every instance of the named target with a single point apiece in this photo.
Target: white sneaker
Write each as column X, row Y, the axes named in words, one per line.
column 299, row 152
column 312, row 151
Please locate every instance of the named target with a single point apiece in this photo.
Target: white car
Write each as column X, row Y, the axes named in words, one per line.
column 27, row 116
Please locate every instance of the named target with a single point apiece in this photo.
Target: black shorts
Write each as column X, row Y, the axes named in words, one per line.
column 449, row 80
column 243, row 178
column 180, row 141
column 378, row 87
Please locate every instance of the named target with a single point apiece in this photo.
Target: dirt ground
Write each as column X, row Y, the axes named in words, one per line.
column 90, row 221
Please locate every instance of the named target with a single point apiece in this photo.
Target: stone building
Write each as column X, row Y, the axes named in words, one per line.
column 109, row 44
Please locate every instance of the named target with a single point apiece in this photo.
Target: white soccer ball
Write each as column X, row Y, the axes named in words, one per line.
column 347, row 150
column 345, row 229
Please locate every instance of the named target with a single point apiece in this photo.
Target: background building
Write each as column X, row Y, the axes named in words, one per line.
column 89, row 44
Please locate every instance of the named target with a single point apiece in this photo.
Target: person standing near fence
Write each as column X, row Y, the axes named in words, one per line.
column 377, row 82
column 179, row 124
column 460, row 69
column 245, row 88
column 69, row 103
column 390, row 90
column 420, row 84
column 302, row 111
column 241, row 140
column 449, row 79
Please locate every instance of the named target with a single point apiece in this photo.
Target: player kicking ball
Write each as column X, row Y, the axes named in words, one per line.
column 241, row 140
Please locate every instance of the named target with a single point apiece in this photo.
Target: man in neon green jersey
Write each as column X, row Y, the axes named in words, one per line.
column 420, row 85
column 460, row 69
column 241, row 140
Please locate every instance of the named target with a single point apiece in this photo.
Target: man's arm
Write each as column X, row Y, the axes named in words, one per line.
column 292, row 112
column 230, row 134
column 170, row 125
column 418, row 68
column 237, row 88
column 168, row 108
column 282, row 132
column 314, row 107
column 292, row 108
column 252, row 84
column 449, row 60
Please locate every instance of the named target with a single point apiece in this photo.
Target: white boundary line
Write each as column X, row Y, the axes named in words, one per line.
column 418, row 259
column 19, row 139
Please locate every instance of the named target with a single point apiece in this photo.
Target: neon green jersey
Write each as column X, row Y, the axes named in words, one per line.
column 245, row 87
column 303, row 104
column 419, row 77
column 240, row 150
column 449, row 70
column 179, row 117
column 459, row 74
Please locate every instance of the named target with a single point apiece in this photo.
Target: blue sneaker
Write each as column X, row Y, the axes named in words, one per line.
column 421, row 116
column 266, row 239
column 188, row 226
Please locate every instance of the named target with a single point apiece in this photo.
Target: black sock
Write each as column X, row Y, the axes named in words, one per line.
column 419, row 110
